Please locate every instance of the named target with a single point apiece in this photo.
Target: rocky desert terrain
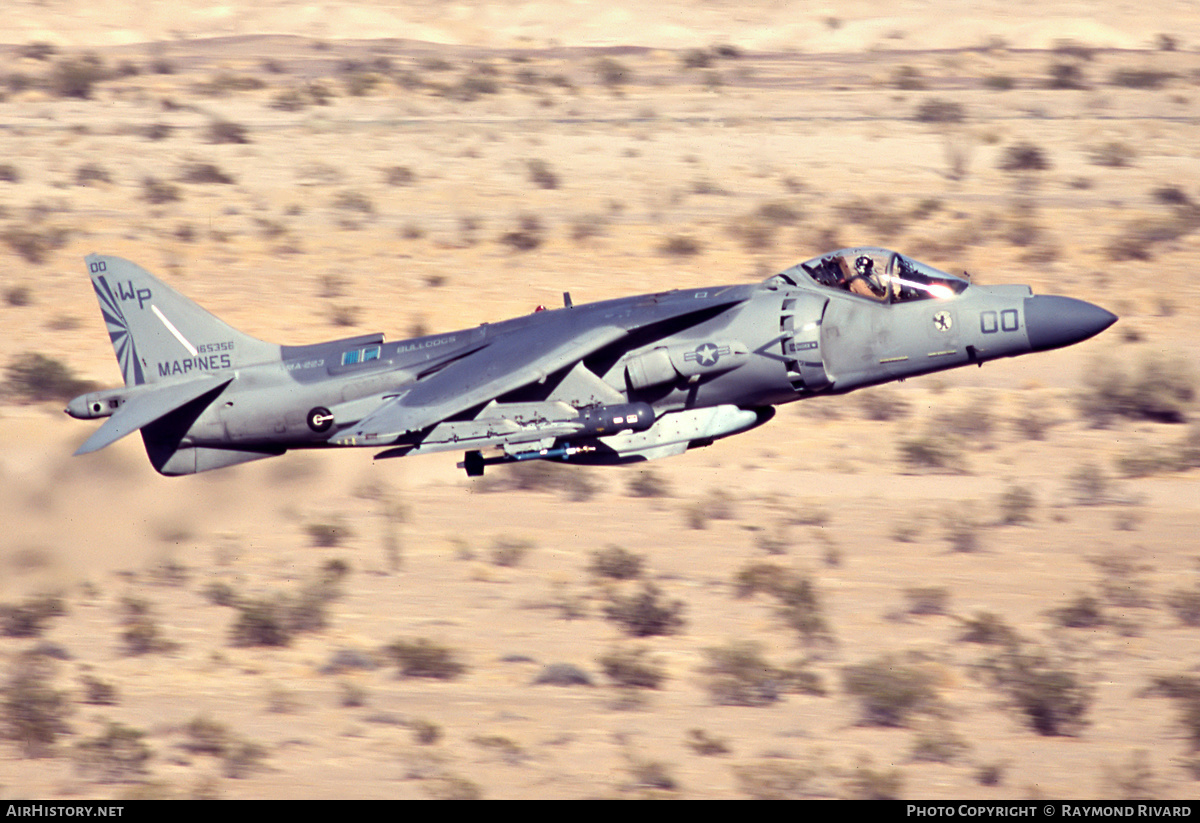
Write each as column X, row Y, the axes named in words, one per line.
column 978, row 584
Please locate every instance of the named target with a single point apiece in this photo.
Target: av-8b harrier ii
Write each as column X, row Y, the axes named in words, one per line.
column 617, row 381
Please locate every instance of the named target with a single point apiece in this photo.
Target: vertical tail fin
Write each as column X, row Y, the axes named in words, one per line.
column 157, row 333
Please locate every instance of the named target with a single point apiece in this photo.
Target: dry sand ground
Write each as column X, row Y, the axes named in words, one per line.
column 311, row 241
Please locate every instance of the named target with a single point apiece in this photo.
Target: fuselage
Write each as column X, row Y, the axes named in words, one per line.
column 695, row 364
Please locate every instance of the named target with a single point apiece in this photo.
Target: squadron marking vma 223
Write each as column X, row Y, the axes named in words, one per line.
column 617, row 381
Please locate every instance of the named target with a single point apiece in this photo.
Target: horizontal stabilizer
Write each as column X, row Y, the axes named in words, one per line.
column 144, row 407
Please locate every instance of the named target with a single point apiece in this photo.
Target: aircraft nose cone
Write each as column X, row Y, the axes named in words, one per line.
column 1052, row 322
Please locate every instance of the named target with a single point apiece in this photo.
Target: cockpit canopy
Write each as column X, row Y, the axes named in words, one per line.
column 876, row 274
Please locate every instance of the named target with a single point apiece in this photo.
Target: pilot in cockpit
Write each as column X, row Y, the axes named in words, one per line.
column 862, row 278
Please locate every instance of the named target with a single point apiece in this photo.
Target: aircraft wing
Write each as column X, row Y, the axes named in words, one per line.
column 517, row 358
column 146, row 406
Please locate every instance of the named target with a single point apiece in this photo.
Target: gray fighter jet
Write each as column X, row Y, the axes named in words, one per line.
column 617, row 381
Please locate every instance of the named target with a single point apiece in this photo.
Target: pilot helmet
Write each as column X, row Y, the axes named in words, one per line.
column 863, row 264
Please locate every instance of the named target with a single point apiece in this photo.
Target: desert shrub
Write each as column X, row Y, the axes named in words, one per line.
column 541, row 175
column 937, row 743
column 680, row 245
column 425, row 732
column 424, row 658
column 18, row 296
column 1121, row 581
column 157, row 192
column 696, row 59
column 612, row 72
column 588, row 226
column 705, row 745
column 648, row 483
column 1132, row 780
column 508, row 552
column 987, row 628
column 260, row 622
column 76, row 76
column 543, row 476
column 1024, row 157
column 783, row 780
column 1016, row 505
column 999, row 82
column 343, row 315
column 908, row 78
column 204, row 173
column 97, row 692
column 646, row 612
column 927, row 600
column 632, row 669
column 1159, row 387
column 275, row 620
column 1140, row 78
column 158, row 131
column 936, row 110
column 399, row 176
column 562, row 674
column 963, row 528
column 798, row 603
column 737, row 674
column 890, row 690
column 36, row 378
column 118, row 753
column 140, row 633
column 1115, row 155
column 290, row 100
column 32, row 712
column 868, row 783
column 1185, row 690
column 1185, row 604
column 1088, row 485
column 451, row 787
column 932, row 452
column 651, row 774
column 882, row 404
column 91, row 173
column 226, row 82
column 225, row 131
column 1084, row 612
column 34, row 243
column 37, row 50
column 616, row 563
column 1066, row 76
column 479, row 82
column 527, row 236
column 206, row 736
column 758, row 577
column 757, row 229
column 9, row 173
column 800, row 607
column 360, row 83
column 1171, row 196
column 1141, row 238
column 28, row 618
column 352, row 208
column 327, row 534
column 1053, row 699
column 241, row 758
column 882, row 221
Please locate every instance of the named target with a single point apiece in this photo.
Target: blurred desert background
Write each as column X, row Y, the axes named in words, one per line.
column 979, row 584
